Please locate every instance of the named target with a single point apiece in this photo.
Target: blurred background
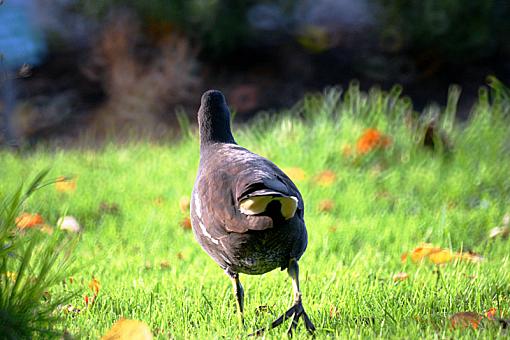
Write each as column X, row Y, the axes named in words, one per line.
column 97, row 69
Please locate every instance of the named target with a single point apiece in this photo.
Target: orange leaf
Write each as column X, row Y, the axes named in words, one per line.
column 94, row 285
column 491, row 313
column 465, row 319
column 65, row 184
column 326, row 205
column 184, row 204
column 27, row 220
column 403, row 257
column 128, row 330
column 400, row 277
column 186, row 223
column 326, row 178
column 370, row 140
column 296, row 174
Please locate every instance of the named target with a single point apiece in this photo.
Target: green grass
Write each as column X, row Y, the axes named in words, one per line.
column 386, row 203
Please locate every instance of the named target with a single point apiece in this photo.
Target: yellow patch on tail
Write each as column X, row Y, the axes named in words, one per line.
column 257, row 205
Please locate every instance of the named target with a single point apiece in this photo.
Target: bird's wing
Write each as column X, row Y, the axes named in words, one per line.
column 235, row 188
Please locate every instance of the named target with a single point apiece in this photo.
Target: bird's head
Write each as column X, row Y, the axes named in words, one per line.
column 214, row 119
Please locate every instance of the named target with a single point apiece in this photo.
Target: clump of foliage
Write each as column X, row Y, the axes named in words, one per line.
column 453, row 30
column 31, row 263
column 218, row 26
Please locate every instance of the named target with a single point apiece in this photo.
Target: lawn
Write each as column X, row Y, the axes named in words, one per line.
column 367, row 203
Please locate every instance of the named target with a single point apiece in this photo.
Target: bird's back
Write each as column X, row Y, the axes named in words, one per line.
column 247, row 243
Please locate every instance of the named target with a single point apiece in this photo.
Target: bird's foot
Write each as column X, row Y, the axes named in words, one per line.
column 295, row 312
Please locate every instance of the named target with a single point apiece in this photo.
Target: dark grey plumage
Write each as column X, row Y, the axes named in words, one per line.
column 240, row 238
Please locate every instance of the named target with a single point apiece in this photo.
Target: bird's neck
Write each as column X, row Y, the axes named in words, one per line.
column 214, row 131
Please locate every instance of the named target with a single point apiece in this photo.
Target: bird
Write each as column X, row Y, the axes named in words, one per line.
column 246, row 213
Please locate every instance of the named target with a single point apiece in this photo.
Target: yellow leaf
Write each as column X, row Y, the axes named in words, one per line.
column 65, row 184
column 441, row 256
column 128, row 330
column 423, row 251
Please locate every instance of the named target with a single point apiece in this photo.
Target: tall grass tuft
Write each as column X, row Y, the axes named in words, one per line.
column 31, row 263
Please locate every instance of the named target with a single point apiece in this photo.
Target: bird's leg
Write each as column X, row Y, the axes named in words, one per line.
column 296, row 311
column 239, row 293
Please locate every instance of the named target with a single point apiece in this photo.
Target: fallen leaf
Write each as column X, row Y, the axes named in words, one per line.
column 164, row 264
column 186, row 223
column 469, row 256
column 326, row 205
column 400, row 277
column 502, row 232
column 419, row 253
column 69, row 223
column 27, row 220
column 332, row 229
column 296, row 174
column 326, row 178
column 440, row 257
column 94, row 285
column 65, row 184
column 465, row 319
column 125, row 329
column 184, row 204
column 180, row 256
column 370, row 140
column 403, row 257
column 491, row 313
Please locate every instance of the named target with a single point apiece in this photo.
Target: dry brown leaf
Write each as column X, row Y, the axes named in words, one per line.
column 164, row 264
column 465, row 320
column 128, row 330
